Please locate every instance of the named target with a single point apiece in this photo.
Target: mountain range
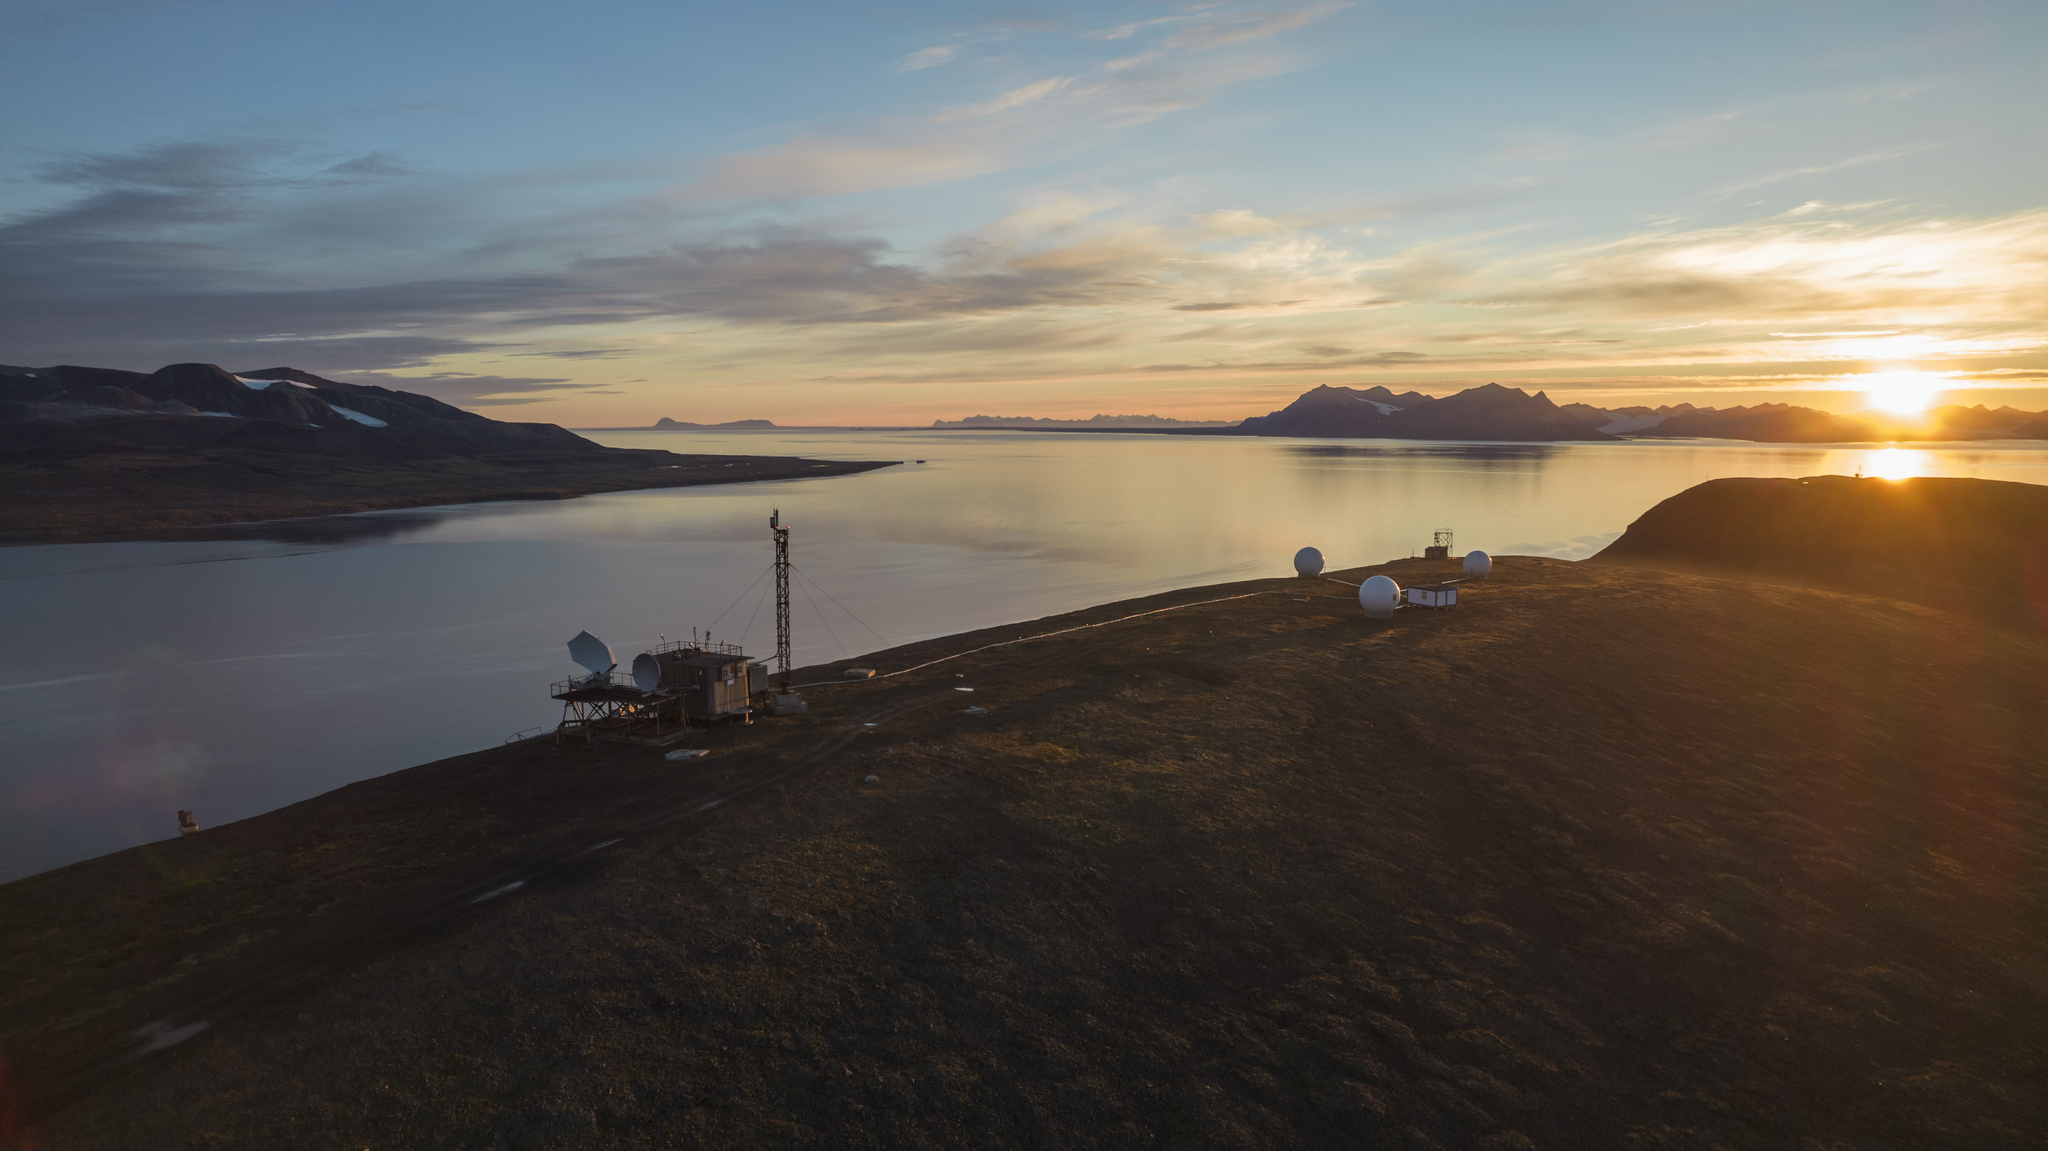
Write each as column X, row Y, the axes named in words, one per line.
column 268, row 409
column 1493, row 412
column 1488, row 412
column 1791, row 424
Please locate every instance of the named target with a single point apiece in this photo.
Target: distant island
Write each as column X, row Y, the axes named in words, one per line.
column 97, row 453
column 664, row 423
column 1095, row 421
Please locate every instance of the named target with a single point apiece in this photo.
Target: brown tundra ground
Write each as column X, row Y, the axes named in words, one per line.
column 1604, row 857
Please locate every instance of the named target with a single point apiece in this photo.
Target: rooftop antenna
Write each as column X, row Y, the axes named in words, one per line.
column 781, row 595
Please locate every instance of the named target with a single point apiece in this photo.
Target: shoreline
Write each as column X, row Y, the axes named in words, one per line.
column 112, row 497
column 1626, row 437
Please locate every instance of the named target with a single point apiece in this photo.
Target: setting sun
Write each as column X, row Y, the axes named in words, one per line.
column 1902, row 393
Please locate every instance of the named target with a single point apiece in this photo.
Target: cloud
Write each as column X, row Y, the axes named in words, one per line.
column 1015, row 98
column 1906, row 276
column 587, row 354
column 373, row 166
column 1049, row 117
column 187, row 165
column 1207, row 27
column 1240, row 28
column 1731, row 188
column 926, row 58
column 821, row 165
column 468, row 390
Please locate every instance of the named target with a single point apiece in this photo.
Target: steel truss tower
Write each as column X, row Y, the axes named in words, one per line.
column 781, row 596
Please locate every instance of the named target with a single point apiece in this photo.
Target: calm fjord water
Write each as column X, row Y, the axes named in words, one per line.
column 267, row 663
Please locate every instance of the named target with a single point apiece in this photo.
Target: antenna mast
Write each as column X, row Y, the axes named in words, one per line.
column 781, row 596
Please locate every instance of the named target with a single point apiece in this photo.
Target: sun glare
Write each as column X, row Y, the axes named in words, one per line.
column 1902, row 393
column 1895, row 463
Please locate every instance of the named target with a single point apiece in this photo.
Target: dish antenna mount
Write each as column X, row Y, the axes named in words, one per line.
column 593, row 654
column 646, row 672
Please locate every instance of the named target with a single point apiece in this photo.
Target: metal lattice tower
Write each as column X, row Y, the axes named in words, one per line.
column 1443, row 540
column 781, row 596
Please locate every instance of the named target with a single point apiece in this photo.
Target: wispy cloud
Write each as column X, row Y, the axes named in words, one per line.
column 1215, row 26
column 927, row 58
column 1237, row 28
column 1015, row 98
column 1780, row 177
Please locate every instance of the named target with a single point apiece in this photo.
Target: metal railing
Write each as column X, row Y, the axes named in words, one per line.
column 694, row 646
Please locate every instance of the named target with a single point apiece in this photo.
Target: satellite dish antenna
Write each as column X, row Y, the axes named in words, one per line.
column 1379, row 596
column 1308, row 562
column 1477, row 564
column 646, row 672
column 592, row 653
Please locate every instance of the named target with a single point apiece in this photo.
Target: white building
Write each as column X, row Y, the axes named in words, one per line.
column 1432, row 595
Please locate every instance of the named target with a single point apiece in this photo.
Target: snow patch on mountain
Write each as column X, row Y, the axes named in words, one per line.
column 351, row 413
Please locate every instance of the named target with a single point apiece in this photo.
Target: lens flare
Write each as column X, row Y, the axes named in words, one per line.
column 1902, row 393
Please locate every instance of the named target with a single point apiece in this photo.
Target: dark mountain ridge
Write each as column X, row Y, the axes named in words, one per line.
column 74, row 408
column 1487, row 412
column 1793, row 424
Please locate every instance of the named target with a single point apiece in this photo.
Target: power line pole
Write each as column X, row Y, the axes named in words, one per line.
column 781, row 596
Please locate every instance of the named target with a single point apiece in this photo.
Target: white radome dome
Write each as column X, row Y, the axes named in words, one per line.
column 1308, row 562
column 1477, row 564
column 1379, row 596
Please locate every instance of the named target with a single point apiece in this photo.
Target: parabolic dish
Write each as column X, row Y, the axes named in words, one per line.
column 1379, row 596
column 1477, row 564
column 1308, row 562
column 592, row 653
column 646, row 672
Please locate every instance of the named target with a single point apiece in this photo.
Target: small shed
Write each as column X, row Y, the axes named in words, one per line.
column 1432, row 595
column 711, row 680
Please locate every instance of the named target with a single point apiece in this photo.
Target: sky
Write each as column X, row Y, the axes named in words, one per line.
column 605, row 213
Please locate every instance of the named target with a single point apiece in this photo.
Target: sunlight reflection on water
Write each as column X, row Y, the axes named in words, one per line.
column 1896, row 463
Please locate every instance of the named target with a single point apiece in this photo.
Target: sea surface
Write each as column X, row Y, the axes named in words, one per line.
column 241, row 669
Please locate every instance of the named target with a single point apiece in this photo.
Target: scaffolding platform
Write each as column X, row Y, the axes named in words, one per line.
column 619, row 713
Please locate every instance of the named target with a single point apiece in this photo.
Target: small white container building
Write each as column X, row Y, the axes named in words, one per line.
column 1432, row 595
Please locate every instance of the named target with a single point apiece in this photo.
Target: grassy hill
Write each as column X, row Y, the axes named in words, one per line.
column 1606, row 857
column 1974, row 546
